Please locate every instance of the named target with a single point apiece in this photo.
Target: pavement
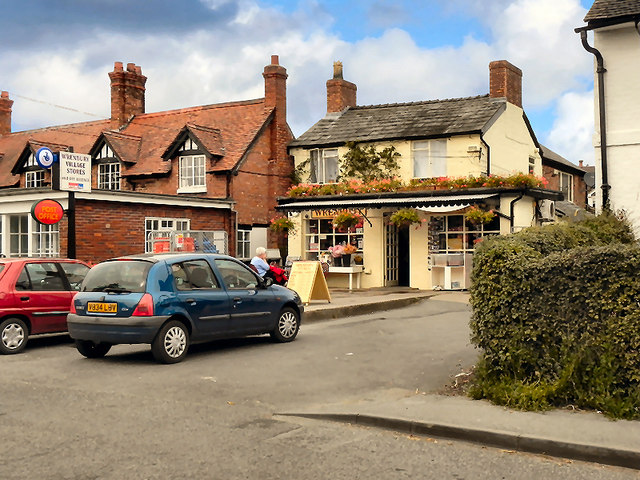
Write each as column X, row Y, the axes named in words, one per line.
column 577, row 435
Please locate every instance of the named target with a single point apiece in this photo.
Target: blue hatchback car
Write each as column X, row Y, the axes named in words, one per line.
column 172, row 300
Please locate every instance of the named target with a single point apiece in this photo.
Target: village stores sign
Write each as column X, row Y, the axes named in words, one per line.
column 70, row 172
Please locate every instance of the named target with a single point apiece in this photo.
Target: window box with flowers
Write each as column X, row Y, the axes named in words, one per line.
column 406, row 217
column 283, row 225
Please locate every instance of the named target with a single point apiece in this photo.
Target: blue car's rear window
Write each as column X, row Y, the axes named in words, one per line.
column 117, row 276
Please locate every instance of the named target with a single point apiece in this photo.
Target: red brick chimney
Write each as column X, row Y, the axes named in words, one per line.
column 505, row 81
column 275, row 89
column 5, row 113
column 127, row 92
column 340, row 93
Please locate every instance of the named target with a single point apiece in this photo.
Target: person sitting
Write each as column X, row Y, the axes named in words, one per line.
column 259, row 263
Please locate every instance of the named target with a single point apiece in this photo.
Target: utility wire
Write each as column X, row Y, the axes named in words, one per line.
column 13, row 94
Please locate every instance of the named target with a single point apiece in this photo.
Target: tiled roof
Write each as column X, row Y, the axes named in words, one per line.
column 226, row 129
column 548, row 154
column 436, row 118
column 612, row 9
column 80, row 135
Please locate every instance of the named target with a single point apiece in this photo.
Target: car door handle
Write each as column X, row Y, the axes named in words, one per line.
column 237, row 300
column 190, row 300
column 24, row 299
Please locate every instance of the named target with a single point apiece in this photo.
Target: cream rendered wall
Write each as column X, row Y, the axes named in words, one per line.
column 419, row 274
column 620, row 48
column 523, row 213
column 374, row 250
column 511, row 144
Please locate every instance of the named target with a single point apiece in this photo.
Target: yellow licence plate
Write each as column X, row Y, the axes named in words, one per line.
column 100, row 307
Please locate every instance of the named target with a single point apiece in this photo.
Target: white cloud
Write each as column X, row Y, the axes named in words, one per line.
column 225, row 63
column 572, row 132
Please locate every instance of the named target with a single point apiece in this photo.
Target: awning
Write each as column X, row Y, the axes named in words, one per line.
column 443, row 208
column 456, row 202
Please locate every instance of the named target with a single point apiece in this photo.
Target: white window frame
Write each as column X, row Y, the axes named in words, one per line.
column 163, row 224
column 322, row 161
column 46, row 240
column 34, row 179
column 192, row 174
column 109, row 176
column 244, row 244
column 429, row 158
column 566, row 185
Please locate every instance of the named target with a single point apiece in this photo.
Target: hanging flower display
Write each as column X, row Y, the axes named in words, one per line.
column 406, row 217
column 478, row 216
column 282, row 224
column 346, row 219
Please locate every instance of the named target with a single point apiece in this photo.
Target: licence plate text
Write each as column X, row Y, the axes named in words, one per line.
column 100, row 307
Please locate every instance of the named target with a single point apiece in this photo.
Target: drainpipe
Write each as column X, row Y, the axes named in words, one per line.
column 488, row 154
column 511, row 207
column 600, row 70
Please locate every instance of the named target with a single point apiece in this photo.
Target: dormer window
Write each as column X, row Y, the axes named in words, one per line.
column 189, row 145
column 192, row 174
column 108, row 169
column 34, row 174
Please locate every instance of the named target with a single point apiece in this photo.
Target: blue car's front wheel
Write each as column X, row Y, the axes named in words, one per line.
column 287, row 326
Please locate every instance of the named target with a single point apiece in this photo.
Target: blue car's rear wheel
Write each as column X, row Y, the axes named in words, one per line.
column 287, row 326
column 171, row 343
column 91, row 349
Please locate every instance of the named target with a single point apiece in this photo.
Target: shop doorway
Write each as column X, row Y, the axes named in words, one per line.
column 403, row 256
column 396, row 256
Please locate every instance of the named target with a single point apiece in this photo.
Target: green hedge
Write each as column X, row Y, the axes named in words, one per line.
column 556, row 314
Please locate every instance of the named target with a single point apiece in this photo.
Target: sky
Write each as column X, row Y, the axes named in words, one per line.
column 55, row 56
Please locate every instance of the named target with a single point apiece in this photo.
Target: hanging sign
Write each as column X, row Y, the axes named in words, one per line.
column 75, row 172
column 45, row 157
column 308, row 281
column 47, row 212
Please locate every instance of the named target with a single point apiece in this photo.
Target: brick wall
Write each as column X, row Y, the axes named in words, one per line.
column 579, row 185
column 110, row 229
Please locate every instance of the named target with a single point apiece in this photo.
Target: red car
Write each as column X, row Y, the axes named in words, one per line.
column 35, row 295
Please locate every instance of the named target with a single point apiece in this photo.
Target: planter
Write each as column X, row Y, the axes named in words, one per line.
column 346, row 260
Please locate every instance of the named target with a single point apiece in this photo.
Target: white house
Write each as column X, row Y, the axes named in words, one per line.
column 616, row 50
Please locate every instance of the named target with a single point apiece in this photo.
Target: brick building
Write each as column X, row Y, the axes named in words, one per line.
column 214, row 167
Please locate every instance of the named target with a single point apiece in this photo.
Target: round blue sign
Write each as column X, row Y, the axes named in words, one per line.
column 44, row 157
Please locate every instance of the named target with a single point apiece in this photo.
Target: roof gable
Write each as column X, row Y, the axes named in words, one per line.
column 430, row 119
column 208, row 139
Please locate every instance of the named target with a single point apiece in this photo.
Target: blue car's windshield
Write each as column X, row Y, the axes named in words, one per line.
column 120, row 276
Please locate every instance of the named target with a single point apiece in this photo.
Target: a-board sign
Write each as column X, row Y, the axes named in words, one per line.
column 307, row 280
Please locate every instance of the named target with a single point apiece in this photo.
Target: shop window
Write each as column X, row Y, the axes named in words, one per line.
column 19, row 235
column 46, row 240
column 324, row 165
column 320, row 234
column 429, row 158
column 155, row 227
column 454, row 234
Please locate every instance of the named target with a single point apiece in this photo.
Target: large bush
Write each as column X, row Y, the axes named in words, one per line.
column 556, row 313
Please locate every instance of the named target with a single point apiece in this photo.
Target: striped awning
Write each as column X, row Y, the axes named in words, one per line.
column 435, row 201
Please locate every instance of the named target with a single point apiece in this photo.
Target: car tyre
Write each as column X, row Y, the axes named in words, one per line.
column 287, row 327
column 91, row 349
column 14, row 334
column 171, row 343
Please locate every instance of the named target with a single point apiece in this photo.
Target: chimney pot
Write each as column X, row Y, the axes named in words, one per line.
column 340, row 93
column 117, row 67
column 274, row 60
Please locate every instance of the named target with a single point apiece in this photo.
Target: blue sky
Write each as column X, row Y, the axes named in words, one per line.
column 57, row 53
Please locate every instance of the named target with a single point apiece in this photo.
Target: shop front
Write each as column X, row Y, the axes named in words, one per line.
column 432, row 250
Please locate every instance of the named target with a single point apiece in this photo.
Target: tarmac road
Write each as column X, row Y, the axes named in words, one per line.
column 66, row 417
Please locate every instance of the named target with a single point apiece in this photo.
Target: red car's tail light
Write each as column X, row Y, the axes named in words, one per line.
column 145, row 306
column 72, row 308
